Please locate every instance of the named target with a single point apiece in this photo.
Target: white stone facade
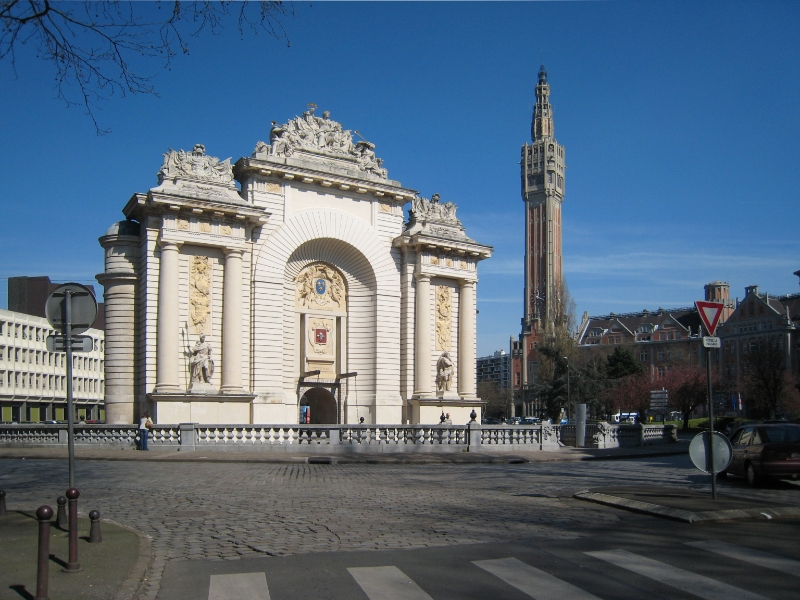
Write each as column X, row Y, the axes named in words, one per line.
column 303, row 281
column 33, row 381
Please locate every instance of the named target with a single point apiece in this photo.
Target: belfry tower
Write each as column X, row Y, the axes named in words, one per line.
column 542, row 171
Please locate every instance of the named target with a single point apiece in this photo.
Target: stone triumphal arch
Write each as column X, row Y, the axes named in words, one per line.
column 286, row 285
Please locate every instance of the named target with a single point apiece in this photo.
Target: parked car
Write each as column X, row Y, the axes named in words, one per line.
column 513, row 420
column 531, row 421
column 491, row 421
column 766, row 451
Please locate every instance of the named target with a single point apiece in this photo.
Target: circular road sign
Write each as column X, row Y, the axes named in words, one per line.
column 83, row 307
column 698, row 452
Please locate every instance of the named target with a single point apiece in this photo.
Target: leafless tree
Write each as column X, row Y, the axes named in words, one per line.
column 768, row 388
column 95, row 48
column 498, row 399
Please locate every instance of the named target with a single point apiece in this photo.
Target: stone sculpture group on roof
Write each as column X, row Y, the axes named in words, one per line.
column 321, row 135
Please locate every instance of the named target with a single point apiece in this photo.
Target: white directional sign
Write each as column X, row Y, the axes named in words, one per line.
column 711, row 342
column 710, row 312
column 80, row 343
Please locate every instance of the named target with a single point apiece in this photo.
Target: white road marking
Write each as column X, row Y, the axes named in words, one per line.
column 754, row 557
column 387, row 583
column 530, row 580
column 686, row 581
column 240, row 586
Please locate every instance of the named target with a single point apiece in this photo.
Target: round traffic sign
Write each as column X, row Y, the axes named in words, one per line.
column 698, row 452
column 83, row 307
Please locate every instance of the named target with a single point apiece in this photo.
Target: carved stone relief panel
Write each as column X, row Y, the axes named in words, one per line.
column 205, row 226
column 200, row 295
column 385, row 207
column 443, row 317
column 273, row 187
column 225, row 230
column 320, row 286
column 434, row 260
column 320, row 340
column 449, row 262
column 183, row 224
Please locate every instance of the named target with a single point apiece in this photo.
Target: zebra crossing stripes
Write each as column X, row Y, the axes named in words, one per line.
column 749, row 555
column 240, row 586
column 531, row 581
column 683, row 580
column 387, row 583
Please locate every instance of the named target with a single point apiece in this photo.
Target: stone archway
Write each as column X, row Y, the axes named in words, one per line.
column 322, row 405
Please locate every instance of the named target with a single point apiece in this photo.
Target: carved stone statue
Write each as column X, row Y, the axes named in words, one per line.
column 423, row 209
column 321, row 135
column 202, row 363
column 195, row 165
column 444, row 372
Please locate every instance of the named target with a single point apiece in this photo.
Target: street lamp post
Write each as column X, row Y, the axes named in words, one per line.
column 569, row 402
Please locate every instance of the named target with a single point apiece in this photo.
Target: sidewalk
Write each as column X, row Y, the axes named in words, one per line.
column 688, row 505
column 112, row 569
column 483, row 456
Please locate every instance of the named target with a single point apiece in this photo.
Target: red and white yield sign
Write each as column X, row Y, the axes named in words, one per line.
column 710, row 312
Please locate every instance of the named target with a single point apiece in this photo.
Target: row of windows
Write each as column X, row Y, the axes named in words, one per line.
column 54, row 383
column 57, row 359
column 752, row 327
column 31, row 332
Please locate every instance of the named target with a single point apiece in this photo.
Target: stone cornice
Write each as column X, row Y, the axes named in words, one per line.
column 248, row 167
column 141, row 205
column 464, row 248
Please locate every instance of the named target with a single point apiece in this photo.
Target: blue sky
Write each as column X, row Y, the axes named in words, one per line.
column 680, row 122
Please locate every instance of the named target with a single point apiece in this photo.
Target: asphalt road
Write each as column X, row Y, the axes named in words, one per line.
column 450, row 573
column 299, row 528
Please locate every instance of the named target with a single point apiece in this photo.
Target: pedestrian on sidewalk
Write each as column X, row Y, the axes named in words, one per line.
column 145, row 425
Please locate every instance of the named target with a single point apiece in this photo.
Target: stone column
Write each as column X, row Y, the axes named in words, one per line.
column 120, row 279
column 119, row 291
column 422, row 337
column 167, row 347
column 232, row 323
column 466, row 339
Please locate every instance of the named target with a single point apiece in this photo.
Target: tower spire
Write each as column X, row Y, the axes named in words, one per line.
column 542, row 124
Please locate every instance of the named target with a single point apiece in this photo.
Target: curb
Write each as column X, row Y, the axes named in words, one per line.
column 136, row 575
column 685, row 516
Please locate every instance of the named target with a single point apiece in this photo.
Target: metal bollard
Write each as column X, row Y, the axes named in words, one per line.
column 61, row 518
column 3, row 511
column 44, row 514
column 95, row 537
column 73, row 566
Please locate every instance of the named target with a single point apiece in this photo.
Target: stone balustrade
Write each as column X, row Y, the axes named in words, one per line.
column 338, row 438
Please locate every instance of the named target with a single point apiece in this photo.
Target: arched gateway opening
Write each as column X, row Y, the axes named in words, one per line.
column 318, row 406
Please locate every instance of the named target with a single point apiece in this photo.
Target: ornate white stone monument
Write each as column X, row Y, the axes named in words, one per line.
column 303, row 293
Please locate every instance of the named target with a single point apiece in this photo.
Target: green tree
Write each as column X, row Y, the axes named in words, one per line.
column 622, row 363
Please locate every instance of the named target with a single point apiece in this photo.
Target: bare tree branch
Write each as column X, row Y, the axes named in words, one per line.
column 94, row 45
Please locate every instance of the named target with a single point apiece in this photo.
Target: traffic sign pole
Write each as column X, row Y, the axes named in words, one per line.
column 710, row 447
column 70, row 415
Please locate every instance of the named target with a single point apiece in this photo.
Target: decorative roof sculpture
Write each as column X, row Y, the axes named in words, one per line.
column 431, row 210
column 321, row 136
column 195, row 165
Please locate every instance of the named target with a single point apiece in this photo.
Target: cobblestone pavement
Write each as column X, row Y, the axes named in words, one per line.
column 226, row 511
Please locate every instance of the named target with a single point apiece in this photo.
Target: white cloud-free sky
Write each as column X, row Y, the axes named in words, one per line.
column 679, row 119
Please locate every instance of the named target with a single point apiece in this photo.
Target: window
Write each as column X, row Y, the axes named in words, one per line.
column 662, row 371
column 660, row 354
column 643, row 356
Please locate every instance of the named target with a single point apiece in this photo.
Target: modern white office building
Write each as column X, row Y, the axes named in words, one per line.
column 33, row 381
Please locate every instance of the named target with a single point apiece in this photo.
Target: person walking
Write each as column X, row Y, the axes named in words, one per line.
column 145, row 425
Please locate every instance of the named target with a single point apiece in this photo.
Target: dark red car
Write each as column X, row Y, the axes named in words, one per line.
column 767, row 451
